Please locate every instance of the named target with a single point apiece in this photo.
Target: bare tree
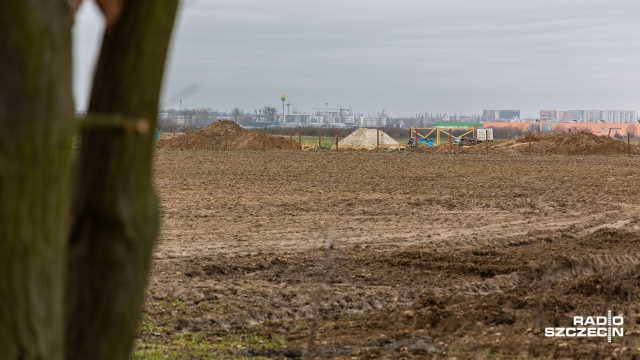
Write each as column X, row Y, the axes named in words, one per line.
column 188, row 115
column 204, row 116
column 269, row 113
column 73, row 267
column 237, row 113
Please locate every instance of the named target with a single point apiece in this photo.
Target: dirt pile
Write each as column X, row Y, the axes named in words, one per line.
column 227, row 135
column 367, row 139
column 581, row 143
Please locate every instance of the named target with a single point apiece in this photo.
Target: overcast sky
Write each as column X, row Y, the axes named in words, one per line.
column 404, row 56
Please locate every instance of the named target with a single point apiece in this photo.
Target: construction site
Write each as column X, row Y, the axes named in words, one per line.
column 439, row 251
column 228, row 136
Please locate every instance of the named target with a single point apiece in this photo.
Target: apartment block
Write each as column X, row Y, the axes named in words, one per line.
column 490, row 115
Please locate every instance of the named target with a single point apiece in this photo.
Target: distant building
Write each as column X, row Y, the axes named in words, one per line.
column 457, row 125
column 349, row 119
column 563, row 116
column 398, row 122
column 331, row 117
column 549, row 115
column 490, row 115
column 371, row 121
column 576, row 115
column 595, row 128
column 592, row 116
column 606, row 116
column 316, row 119
column 296, row 118
column 619, row 116
column 180, row 120
column 504, row 115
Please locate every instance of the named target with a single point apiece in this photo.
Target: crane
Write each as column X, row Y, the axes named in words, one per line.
column 288, row 108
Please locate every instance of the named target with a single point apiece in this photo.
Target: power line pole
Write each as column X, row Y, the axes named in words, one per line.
column 283, row 98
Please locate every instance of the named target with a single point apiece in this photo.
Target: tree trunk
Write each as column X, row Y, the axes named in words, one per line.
column 36, row 129
column 114, row 207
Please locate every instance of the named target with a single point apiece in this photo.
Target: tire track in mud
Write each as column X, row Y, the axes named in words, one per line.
column 467, row 244
column 565, row 267
column 286, row 281
column 499, row 232
column 546, row 273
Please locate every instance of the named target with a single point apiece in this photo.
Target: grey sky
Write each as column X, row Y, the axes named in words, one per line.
column 404, row 56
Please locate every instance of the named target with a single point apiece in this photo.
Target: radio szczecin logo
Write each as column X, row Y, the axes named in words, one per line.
column 590, row 326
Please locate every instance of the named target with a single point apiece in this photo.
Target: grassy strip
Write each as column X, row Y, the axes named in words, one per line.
column 195, row 346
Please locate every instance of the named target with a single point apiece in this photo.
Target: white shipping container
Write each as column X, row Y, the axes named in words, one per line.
column 484, row 134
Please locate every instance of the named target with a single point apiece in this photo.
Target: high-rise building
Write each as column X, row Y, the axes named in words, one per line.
column 592, row 116
column 549, row 115
column 576, row 115
column 607, row 116
column 563, row 116
column 490, row 115
column 619, row 116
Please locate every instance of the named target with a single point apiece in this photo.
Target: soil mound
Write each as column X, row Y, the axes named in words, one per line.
column 581, row 143
column 367, row 139
column 226, row 134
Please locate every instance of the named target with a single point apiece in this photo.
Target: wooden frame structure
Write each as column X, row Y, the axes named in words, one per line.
column 415, row 132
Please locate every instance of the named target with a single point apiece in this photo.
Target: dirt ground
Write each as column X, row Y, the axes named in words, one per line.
column 358, row 255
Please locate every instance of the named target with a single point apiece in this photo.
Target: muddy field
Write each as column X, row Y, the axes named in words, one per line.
column 354, row 255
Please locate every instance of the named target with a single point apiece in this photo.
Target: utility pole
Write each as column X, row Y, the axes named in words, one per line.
column 283, row 98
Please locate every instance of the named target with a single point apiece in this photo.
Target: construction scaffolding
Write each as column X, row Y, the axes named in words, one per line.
column 448, row 133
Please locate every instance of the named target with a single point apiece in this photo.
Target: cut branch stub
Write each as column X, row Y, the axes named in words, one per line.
column 111, row 9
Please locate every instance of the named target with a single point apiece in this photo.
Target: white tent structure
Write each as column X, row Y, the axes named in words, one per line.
column 368, row 139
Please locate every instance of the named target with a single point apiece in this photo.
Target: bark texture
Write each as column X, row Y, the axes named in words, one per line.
column 36, row 127
column 114, row 208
